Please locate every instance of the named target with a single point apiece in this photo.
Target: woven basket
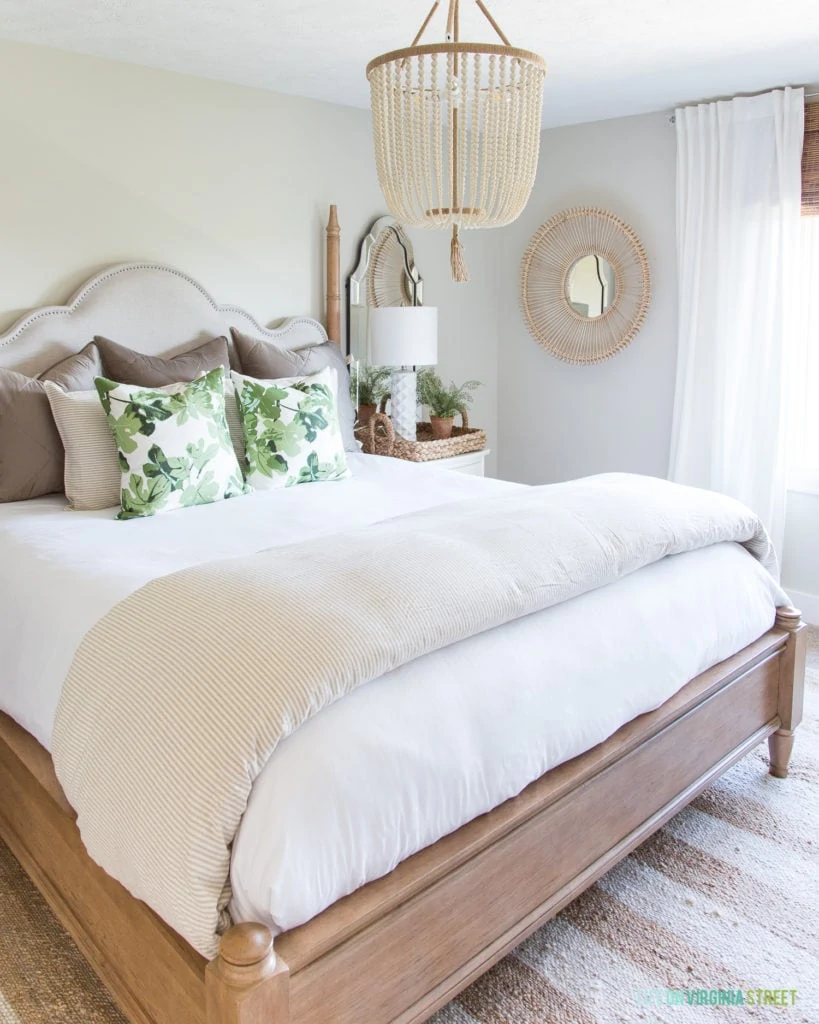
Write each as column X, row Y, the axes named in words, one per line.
column 379, row 438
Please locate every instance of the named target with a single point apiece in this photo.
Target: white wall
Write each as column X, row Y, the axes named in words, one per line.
column 558, row 421
column 104, row 162
column 800, row 559
column 467, row 320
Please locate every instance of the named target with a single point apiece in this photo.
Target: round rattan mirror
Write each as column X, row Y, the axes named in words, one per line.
column 585, row 285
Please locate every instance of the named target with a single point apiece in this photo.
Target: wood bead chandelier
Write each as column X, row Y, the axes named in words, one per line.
column 457, row 130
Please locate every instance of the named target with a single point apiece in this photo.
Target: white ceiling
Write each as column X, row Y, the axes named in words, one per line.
column 605, row 59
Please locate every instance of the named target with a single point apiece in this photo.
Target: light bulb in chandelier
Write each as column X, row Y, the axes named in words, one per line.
column 456, row 127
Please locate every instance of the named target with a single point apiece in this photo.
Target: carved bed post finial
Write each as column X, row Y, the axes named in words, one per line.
column 246, row 984
column 791, row 689
column 333, row 277
column 788, row 618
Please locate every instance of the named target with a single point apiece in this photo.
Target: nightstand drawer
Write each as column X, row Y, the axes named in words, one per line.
column 472, row 463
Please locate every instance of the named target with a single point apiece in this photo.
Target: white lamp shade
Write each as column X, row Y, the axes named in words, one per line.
column 403, row 335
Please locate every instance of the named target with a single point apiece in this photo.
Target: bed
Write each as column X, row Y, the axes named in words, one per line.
column 386, row 857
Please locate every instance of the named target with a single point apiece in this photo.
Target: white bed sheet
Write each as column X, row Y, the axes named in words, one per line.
column 412, row 756
column 61, row 571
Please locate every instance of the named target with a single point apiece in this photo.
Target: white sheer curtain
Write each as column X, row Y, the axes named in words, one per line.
column 738, row 213
column 803, row 441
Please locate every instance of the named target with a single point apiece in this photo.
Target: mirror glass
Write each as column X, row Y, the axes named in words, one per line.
column 590, row 285
column 386, row 275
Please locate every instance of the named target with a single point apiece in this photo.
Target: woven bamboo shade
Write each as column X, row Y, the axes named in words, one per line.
column 810, row 162
column 547, row 265
column 457, row 130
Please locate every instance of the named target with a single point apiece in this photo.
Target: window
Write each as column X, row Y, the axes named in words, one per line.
column 810, row 162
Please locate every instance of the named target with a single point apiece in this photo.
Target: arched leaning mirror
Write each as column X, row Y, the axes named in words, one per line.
column 585, row 285
column 386, row 275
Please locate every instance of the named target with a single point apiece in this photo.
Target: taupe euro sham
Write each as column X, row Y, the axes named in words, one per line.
column 31, row 453
column 266, row 361
column 126, row 366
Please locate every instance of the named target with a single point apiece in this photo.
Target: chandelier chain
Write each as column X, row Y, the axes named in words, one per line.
column 453, row 22
column 427, row 20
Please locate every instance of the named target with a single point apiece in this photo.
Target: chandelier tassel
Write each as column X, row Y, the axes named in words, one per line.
column 460, row 271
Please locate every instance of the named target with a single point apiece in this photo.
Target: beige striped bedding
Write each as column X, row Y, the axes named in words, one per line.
column 178, row 697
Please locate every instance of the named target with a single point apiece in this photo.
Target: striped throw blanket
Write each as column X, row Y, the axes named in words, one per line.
column 178, row 697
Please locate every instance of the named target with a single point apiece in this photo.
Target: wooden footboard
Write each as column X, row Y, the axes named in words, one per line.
column 401, row 947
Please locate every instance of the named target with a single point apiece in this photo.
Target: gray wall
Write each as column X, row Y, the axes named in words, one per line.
column 558, row 421
column 106, row 162
column 800, row 559
column 467, row 320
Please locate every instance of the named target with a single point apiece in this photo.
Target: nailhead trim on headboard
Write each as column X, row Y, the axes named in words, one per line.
column 80, row 296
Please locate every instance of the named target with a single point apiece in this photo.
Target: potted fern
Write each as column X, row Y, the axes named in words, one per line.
column 368, row 385
column 444, row 400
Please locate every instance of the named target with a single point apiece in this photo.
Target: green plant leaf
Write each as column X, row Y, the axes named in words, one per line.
column 369, row 384
column 266, row 460
column 176, row 471
column 315, row 410
column 442, row 399
column 126, row 427
column 203, row 492
column 201, row 453
column 144, row 498
column 310, row 471
column 104, row 388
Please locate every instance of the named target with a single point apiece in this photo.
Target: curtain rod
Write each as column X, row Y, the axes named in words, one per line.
column 672, row 117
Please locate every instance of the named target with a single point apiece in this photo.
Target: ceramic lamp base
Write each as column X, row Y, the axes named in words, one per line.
column 404, row 403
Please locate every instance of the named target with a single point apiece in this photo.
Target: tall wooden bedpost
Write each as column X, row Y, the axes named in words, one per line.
column 333, row 277
column 246, row 984
column 791, row 690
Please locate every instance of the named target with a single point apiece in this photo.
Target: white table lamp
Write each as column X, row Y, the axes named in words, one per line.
column 404, row 337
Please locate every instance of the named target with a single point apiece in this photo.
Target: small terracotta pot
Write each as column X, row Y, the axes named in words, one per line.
column 365, row 412
column 441, row 427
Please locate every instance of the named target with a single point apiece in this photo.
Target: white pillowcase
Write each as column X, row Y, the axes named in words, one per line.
column 291, row 430
column 93, row 479
column 173, row 443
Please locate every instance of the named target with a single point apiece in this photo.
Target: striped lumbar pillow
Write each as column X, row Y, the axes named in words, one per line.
column 92, row 473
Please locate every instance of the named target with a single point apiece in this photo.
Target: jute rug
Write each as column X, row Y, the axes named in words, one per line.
column 719, row 905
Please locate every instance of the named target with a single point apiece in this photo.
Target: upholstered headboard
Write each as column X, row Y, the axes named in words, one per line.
column 147, row 307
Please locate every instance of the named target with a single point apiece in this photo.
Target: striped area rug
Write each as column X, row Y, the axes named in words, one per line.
column 724, row 897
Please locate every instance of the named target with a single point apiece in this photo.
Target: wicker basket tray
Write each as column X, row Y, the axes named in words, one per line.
column 379, row 438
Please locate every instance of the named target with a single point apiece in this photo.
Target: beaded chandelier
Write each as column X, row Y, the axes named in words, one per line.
column 457, row 130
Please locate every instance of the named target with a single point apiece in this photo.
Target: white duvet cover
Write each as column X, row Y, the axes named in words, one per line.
column 373, row 778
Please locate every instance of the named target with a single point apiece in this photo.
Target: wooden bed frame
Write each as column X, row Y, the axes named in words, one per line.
column 401, row 947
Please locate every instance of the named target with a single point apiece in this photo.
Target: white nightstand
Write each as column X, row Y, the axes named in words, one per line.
column 471, row 463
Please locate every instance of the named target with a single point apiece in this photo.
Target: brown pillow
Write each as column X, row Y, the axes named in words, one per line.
column 128, row 367
column 31, row 453
column 267, row 361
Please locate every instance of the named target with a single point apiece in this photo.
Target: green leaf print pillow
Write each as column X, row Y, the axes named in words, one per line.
column 173, row 444
column 291, row 428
